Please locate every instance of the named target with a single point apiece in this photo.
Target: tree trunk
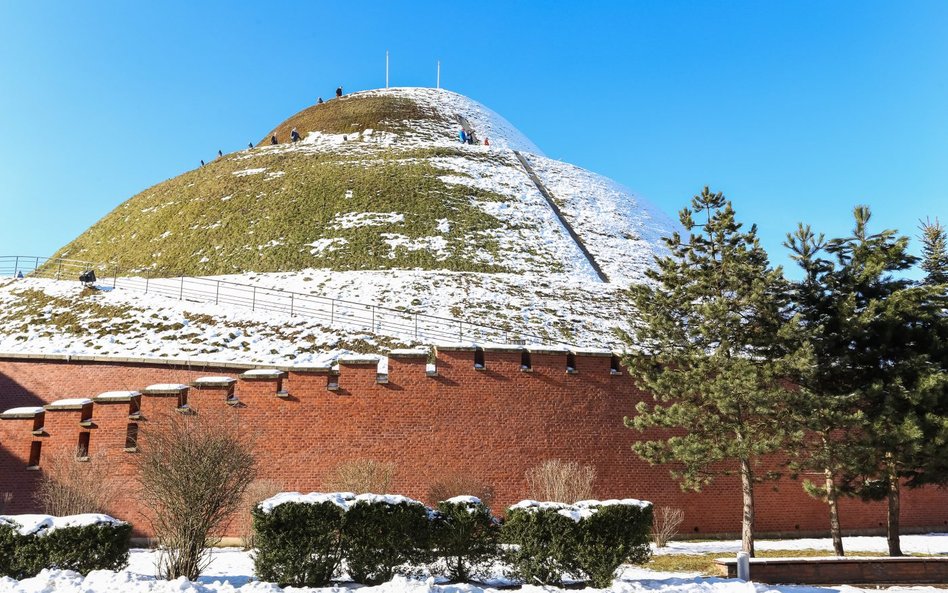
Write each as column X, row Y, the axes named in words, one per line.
column 832, row 499
column 747, row 492
column 892, row 526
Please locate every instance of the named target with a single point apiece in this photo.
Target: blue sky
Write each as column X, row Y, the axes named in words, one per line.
column 796, row 110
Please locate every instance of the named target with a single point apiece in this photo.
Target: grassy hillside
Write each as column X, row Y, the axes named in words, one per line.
column 354, row 114
column 265, row 210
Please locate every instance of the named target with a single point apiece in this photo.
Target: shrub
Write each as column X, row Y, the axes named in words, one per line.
column 459, row 484
column 298, row 543
column 589, row 539
column 193, row 471
column 361, row 476
column 464, row 536
column 561, row 481
column 610, row 533
column 71, row 487
column 82, row 543
column 544, row 542
column 8, row 545
column 257, row 492
column 381, row 533
column 666, row 523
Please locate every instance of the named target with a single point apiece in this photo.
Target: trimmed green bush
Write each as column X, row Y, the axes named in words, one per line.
column 590, row 539
column 615, row 532
column 464, row 536
column 101, row 545
column 544, row 542
column 8, row 545
column 298, row 544
column 382, row 533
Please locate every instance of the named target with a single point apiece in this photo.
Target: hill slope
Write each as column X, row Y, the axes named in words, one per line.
column 379, row 182
column 380, row 204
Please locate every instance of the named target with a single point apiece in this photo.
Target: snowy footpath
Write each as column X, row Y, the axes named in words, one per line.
column 231, row 570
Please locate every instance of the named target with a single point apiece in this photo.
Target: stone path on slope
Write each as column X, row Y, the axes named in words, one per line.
column 556, row 210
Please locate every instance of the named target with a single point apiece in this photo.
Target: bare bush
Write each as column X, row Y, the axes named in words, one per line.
column 457, row 484
column 6, row 498
column 556, row 480
column 193, row 471
column 256, row 492
column 361, row 476
column 665, row 525
column 69, row 486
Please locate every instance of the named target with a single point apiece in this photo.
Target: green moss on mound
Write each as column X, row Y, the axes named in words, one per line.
column 354, row 114
column 281, row 210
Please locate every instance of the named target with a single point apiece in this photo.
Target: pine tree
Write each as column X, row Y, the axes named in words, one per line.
column 828, row 413
column 708, row 345
column 934, row 252
column 877, row 350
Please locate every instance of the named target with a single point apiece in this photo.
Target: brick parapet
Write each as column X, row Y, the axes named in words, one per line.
column 491, row 424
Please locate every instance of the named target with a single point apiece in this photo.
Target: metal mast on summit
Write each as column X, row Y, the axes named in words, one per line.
column 386, row 68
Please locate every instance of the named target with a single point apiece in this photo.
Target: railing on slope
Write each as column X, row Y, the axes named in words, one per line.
column 332, row 312
column 559, row 214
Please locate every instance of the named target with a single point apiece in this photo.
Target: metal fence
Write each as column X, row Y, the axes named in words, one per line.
column 337, row 313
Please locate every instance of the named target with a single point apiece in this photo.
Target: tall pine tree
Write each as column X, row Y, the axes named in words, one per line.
column 708, row 346
column 875, row 340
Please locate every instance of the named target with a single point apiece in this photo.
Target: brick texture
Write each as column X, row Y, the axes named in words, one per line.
column 492, row 423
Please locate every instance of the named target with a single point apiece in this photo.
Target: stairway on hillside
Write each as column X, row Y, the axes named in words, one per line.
column 559, row 215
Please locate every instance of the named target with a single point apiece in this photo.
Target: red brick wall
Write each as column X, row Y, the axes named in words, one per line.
column 492, row 424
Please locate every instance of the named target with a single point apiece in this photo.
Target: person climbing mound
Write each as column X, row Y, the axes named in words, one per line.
column 319, row 101
column 462, row 136
column 339, row 92
column 273, row 139
column 294, row 135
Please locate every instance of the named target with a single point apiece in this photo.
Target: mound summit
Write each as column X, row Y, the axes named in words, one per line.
column 378, row 204
column 379, row 181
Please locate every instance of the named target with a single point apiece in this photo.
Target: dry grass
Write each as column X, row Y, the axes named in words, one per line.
column 354, row 114
column 704, row 563
column 256, row 492
column 71, row 487
column 561, row 481
column 361, row 476
column 209, row 221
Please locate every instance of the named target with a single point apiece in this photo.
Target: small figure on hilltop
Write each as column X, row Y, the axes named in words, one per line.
column 486, row 142
column 202, row 162
column 339, row 92
column 319, row 101
column 294, row 136
column 273, row 139
column 462, row 136
column 219, row 154
column 250, row 145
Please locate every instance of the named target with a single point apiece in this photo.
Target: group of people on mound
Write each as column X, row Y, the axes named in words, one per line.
column 470, row 137
column 294, row 134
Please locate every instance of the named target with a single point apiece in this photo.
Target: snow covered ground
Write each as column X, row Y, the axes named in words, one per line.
column 232, row 569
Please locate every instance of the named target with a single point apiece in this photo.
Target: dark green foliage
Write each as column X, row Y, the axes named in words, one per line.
column 934, row 252
column 614, row 534
column 379, row 537
column 710, row 346
column 545, row 545
column 8, row 544
column 298, row 544
column 464, row 537
column 878, row 342
column 82, row 549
